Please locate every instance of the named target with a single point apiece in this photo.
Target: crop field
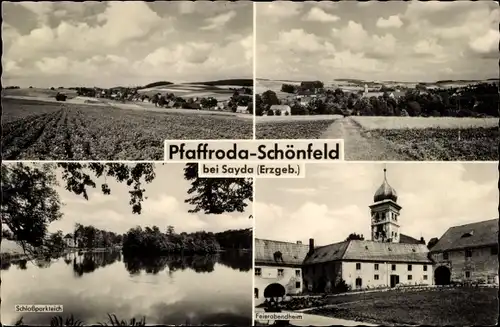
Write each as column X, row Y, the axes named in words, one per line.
column 371, row 123
column 303, row 129
column 38, row 93
column 437, row 138
column 473, row 144
column 192, row 90
column 35, row 131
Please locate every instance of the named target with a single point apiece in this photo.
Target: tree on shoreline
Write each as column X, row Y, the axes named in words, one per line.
column 30, row 202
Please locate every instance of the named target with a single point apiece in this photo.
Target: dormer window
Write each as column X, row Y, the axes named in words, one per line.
column 468, row 234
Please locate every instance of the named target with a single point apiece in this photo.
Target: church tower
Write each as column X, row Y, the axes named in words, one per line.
column 385, row 213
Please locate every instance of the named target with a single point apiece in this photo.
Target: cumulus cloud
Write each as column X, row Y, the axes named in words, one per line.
column 164, row 206
column 434, row 197
column 411, row 42
column 278, row 9
column 69, row 44
column 319, row 15
column 219, row 21
column 392, row 22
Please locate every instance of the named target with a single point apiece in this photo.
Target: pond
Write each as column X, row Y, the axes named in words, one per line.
column 177, row 289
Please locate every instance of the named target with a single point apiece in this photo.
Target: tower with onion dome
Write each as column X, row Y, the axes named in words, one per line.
column 385, row 214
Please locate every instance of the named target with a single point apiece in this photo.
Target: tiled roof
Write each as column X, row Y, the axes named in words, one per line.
column 407, row 239
column 478, row 234
column 369, row 251
column 297, row 254
column 385, row 251
column 291, row 253
column 327, row 253
column 280, row 107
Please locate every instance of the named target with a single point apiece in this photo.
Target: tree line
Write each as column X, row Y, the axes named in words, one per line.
column 151, row 240
column 31, row 202
column 480, row 100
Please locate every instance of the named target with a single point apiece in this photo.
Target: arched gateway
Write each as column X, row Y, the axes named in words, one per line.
column 442, row 275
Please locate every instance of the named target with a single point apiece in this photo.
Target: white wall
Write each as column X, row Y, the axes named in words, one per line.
column 290, row 279
column 367, row 274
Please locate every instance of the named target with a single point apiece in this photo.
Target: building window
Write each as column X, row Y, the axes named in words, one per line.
column 258, row 272
column 376, row 266
column 468, row 253
column 425, row 267
column 375, row 277
column 297, row 284
column 409, row 267
column 445, row 255
column 494, row 250
column 358, row 266
column 256, row 293
column 467, row 274
column 281, row 272
column 410, row 277
column 297, row 273
column 393, row 267
column 425, row 277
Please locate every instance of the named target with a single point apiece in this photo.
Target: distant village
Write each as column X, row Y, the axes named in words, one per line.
column 239, row 102
column 314, row 98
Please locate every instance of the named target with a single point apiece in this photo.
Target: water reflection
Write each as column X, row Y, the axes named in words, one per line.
column 85, row 263
column 174, row 289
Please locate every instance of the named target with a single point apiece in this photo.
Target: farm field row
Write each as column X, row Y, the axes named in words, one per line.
column 300, row 129
column 389, row 123
column 96, row 133
column 443, row 144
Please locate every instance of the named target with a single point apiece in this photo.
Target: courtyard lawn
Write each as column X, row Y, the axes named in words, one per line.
column 446, row 307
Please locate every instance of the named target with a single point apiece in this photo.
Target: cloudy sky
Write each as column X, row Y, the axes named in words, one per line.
column 332, row 201
column 125, row 43
column 165, row 206
column 401, row 41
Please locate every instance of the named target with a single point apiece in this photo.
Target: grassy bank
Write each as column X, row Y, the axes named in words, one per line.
column 446, row 307
column 113, row 320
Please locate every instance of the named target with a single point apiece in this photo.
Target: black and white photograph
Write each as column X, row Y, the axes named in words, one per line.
column 393, row 244
column 124, row 245
column 113, row 80
column 397, row 80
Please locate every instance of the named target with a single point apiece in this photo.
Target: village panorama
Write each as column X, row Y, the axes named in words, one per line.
column 344, row 246
column 77, row 86
column 386, row 78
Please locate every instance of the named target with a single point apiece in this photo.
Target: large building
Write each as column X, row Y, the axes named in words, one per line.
column 388, row 259
column 467, row 253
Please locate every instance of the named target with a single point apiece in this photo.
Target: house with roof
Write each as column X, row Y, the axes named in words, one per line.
column 397, row 94
column 283, row 109
column 278, row 262
column 389, row 259
column 467, row 253
column 69, row 241
column 242, row 109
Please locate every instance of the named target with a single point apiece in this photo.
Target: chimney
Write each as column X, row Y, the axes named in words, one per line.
column 311, row 245
column 299, row 242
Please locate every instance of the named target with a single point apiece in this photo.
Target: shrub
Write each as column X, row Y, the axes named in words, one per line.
column 61, row 97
